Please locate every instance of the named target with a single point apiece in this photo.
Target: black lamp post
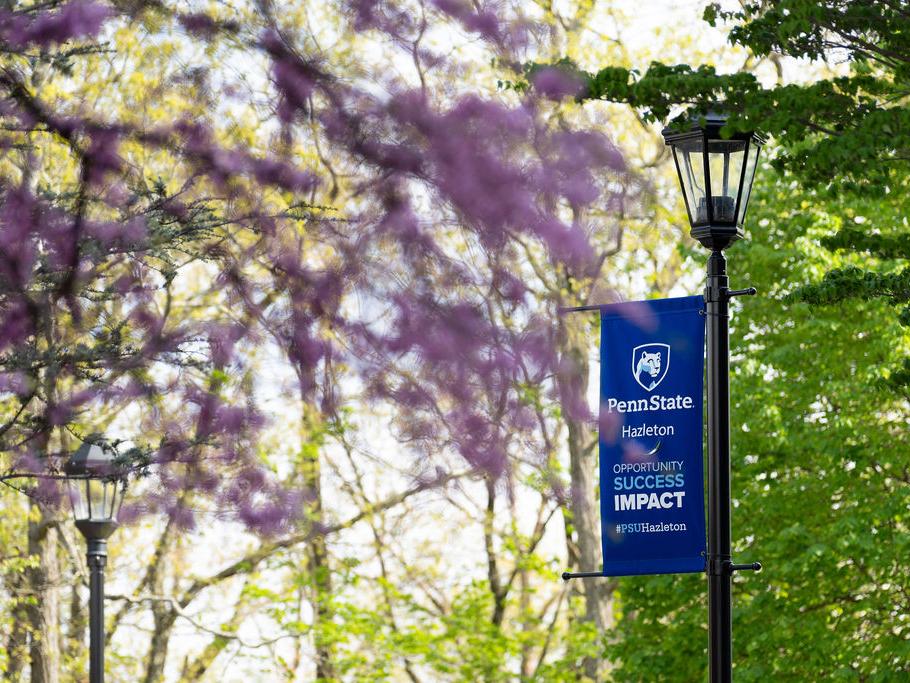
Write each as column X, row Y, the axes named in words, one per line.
column 96, row 492
column 716, row 175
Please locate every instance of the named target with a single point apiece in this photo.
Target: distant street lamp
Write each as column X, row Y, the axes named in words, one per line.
column 716, row 175
column 96, row 489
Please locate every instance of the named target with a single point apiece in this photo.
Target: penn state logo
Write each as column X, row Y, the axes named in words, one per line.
column 650, row 363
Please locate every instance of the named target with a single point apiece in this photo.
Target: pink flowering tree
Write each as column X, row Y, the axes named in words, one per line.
column 400, row 260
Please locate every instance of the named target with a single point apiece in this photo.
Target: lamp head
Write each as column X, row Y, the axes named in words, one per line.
column 716, row 174
column 96, row 488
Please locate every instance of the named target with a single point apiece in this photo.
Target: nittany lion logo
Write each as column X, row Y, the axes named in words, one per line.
column 650, row 363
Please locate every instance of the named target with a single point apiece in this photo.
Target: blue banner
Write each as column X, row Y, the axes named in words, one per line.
column 651, row 432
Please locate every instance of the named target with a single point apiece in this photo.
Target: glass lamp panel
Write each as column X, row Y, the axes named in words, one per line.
column 725, row 162
column 87, row 489
column 96, row 495
column 115, row 497
column 689, row 155
column 78, row 498
column 120, row 498
column 110, row 499
column 751, row 163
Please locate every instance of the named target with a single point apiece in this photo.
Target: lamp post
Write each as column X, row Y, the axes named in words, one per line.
column 96, row 491
column 716, row 175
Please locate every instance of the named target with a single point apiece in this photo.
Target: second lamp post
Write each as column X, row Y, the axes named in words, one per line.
column 716, row 175
column 96, row 493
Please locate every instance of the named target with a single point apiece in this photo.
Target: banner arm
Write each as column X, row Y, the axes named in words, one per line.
column 579, row 309
column 581, row 575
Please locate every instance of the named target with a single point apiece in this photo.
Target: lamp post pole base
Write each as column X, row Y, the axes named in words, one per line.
column 96, row 559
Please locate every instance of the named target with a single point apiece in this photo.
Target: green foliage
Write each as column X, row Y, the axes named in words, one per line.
column 883, row 276
column 854, row 124
column 855, row 282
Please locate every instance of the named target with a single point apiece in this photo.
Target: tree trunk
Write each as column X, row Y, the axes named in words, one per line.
column 44, row 609
column 164, row 617
column 574, row 345
column 163, row 613
column 17, row 644
column 320, row 571
column 78, row 626
column 497, row 590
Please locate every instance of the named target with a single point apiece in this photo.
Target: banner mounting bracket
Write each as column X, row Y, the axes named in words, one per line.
column 582, row 575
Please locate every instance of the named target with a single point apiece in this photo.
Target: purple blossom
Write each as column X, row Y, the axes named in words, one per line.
column 399, row 158
column 75, row 19
column 572, row 396
column 14, row 383
column 294, row 78
column 609, row 424
column 222, row 339
column 199, row 24
column 523, row 417
column 121, row 234
column 16, row 322
column 509, row 285
column 383, row 16
column 48, row 492
column 132, row 511
column 29, row 462
column 294, row 81
column 18, row 221
column 283, row 175
column 102, row 157
column 556, row 84
column 230, row 420
column 182, row 516
column 400, row 221
column 634, row 452
column 638, row 312
column 483, row 22
column 477, row 442
column 536, row 345
column 271, row 512
column 222, row 165
column 365, row 13
column 568, row 244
